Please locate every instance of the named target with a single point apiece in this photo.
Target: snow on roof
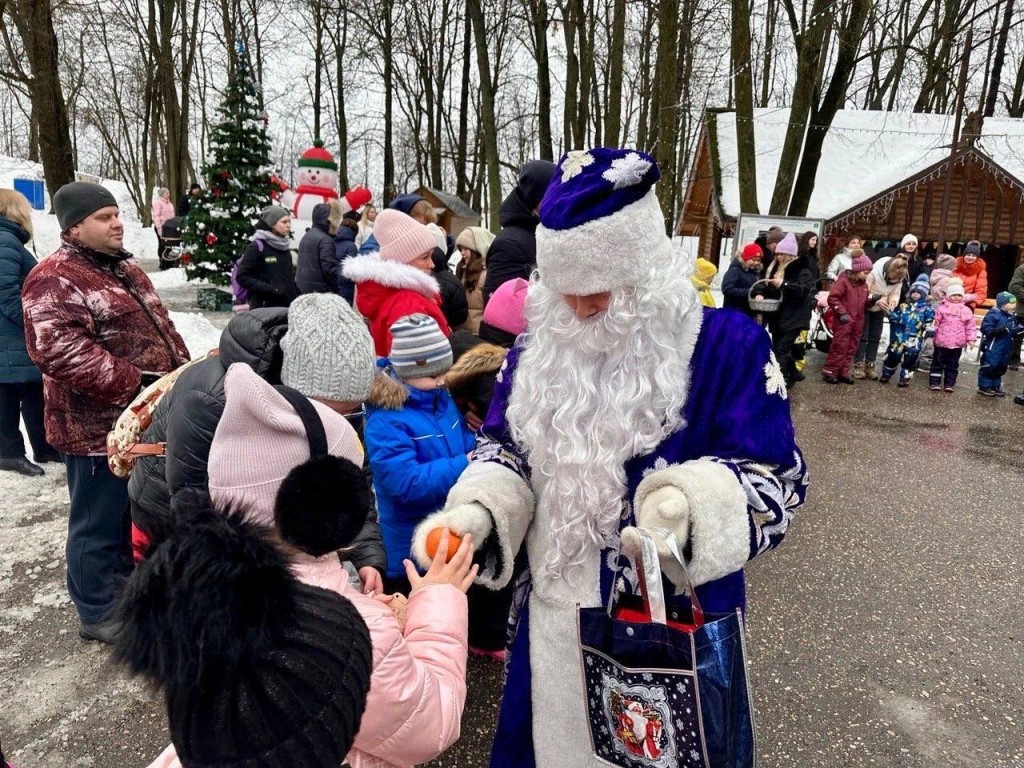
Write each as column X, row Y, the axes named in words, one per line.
column 865, row 152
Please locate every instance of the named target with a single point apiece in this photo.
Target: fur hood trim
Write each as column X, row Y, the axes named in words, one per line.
column 387, row 393
column 481, row 359
column 370, row 267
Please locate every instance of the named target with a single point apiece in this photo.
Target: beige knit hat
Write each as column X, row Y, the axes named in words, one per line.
column 401, row 238
column 475, row 238
column 260, row 439
column 328, row 351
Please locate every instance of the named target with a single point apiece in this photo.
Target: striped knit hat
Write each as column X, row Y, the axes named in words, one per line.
column 418, row 348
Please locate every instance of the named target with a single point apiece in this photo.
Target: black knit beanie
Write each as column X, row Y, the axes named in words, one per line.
column 74, row 201
column 257, row 669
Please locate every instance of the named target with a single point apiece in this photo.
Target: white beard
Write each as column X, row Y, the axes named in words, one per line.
column 591, row 394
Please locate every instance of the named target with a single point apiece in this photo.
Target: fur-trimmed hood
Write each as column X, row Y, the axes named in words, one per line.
column 387, row 392
column 391, row 274
column 481, row 359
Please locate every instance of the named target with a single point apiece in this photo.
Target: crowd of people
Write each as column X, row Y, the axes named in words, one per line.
column 388, row 464
column 928, row 299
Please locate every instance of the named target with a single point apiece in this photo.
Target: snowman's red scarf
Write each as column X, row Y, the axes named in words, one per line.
column 305, row 189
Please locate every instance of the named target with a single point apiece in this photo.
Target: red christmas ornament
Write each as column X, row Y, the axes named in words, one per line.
column 217, row 192
column 211, row 239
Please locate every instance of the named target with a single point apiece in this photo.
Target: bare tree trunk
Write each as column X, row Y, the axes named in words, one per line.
column 997, row 62
column 389, row 93
column 823, row 114
column 742, row 65
column 339, row 38
column 489, row 127
column 318, row 64
column 538, row 14
column 613, row 109
column 461, row 147
column 808, row 48
column 572, row 73
column 771, row 20
column 645, row 131
column 668, row 125
column 1015, row 104
column 34, row 20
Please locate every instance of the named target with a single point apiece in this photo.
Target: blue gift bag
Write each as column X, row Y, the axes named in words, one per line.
column 661, row 694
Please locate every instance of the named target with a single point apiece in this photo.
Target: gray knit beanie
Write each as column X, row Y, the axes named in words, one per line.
column 419, row 348
column 273, row 214
column 328, row 351
column 78, row 200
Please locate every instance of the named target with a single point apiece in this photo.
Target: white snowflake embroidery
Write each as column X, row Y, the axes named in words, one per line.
column 574, row 163
column 659, row 463
column 775, row 382
column 627, row 171
column 647, row 677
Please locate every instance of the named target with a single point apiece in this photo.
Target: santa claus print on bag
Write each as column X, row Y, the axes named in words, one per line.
column 632, row 724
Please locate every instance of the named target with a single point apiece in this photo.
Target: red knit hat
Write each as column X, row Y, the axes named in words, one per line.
column 751, row 251
column 317, row 157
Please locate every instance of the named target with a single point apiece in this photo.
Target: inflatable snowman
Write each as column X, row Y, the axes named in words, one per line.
column 317, row 178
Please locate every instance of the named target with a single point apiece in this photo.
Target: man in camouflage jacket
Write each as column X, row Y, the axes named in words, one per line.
column 98, row 331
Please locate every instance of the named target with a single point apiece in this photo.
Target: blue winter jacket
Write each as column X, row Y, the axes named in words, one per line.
column 417, row 444
column 15, row 264
column 997, row 330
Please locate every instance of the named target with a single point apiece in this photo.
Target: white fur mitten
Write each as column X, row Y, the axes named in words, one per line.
column 704, row 505
column 472, row 518
column 667, row 508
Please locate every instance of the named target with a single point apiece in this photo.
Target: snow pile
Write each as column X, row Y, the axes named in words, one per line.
column 170, row 278
column 199, row 333
column 864, row 153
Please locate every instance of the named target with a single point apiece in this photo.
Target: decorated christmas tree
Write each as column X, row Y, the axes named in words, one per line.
column 238, row 183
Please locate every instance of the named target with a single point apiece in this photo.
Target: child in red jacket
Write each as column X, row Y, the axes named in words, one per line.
column 849, row 299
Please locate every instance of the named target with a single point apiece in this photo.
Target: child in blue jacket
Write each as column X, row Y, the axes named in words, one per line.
column 908, row 325
column 997, row 332
column 416, row 440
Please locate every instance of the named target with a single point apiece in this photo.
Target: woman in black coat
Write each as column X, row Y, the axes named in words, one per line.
column 266, row 270
column 790, row 277
column 21, row 383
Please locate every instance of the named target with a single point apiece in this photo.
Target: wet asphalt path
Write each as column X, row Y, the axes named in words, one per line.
column 887, row 631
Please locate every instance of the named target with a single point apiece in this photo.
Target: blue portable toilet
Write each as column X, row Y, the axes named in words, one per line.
column 32, row 189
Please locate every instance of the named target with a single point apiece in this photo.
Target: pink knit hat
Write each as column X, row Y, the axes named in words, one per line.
column 260, row 439
column 861, row 264
column 505, row 309
column 401, row 238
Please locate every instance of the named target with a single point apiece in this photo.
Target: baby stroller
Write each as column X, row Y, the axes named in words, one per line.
column 169, row 243
column 822, row 322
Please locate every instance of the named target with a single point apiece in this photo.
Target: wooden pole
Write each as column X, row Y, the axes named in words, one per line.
column 955, row 147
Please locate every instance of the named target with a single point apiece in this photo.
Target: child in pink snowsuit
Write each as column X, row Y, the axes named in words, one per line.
column 954, row 329
column 418, row 679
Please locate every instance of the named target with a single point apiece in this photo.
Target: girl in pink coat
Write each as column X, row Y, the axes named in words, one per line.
column 954, row 329
column 266, row 458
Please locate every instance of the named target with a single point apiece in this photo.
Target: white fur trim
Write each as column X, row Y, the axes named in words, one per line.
column 370, row 266
column 615, row 251
column 719, row 525
column 510, row 501
column 473, row 519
